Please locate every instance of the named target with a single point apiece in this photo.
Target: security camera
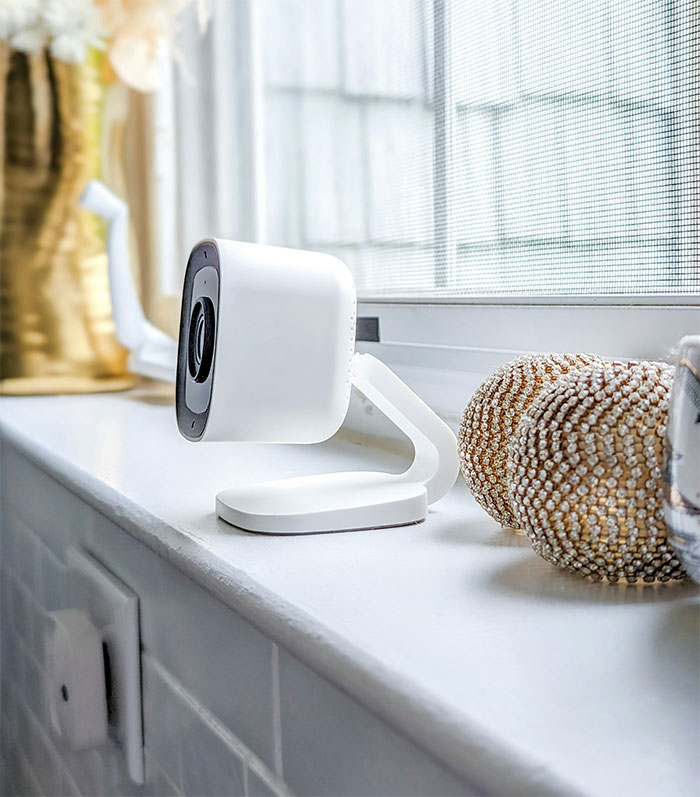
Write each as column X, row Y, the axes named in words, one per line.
column 267, row 337
column 267, row 354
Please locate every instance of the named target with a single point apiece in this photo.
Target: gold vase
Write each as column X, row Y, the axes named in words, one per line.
column 56, row 325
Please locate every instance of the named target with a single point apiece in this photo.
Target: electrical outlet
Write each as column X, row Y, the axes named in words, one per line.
column 113, row 608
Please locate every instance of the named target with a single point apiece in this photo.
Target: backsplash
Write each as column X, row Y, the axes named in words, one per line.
column 226, row 711
column 188, row 750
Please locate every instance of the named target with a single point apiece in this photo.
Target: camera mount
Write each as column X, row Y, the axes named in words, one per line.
column 357, row 500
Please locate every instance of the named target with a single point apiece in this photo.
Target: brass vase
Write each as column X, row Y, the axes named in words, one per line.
column 56, row 325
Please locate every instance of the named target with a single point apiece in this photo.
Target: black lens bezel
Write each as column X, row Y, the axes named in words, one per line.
column 192, row 424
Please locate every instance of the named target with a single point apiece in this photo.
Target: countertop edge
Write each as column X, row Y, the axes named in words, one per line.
column 465, row 747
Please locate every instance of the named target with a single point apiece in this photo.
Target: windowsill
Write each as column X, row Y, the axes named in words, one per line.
column 453, row 630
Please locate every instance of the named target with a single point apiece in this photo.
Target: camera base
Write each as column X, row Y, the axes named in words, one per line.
column 327, row 502
column 363, row 499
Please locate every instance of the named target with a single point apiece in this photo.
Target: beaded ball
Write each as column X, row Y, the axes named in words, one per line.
column 585, row 472
column 491, row 418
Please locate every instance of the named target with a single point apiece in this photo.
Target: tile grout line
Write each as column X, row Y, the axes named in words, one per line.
column 246, row 770
column 277, row 712
column 247, row 756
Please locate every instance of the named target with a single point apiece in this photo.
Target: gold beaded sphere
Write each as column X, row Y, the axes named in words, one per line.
column 491, row 419
column 585, row 472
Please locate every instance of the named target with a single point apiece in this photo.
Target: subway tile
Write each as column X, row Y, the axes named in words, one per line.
column 55, row 514
column 54, row 576
column 9, row 715
column 150, row 771
column 6, row 617
column 115, row 773
column 163, row 719
column 27, row 566
column 259, row 786
column 22, row 612
column 34, row 687
column 333, row 746
column 208, row 719
column 28, row 783
column 209, row 764
column 164, row 787
column 182, row 624
column 40, row 627
column 45, row 762
column 9, row 772
column 87, row 770
column 69, row 787
column 156, row 782
column 9, row 534
column 24, row 726
column 15, row 660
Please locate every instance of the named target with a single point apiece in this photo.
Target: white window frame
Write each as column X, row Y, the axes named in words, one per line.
column 432, row 342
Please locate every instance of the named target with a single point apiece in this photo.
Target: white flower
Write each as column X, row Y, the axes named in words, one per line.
column 73, row 25
column 17, row 15
column 30, row 39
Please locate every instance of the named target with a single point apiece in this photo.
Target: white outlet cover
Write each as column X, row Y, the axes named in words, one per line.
column 114, row 609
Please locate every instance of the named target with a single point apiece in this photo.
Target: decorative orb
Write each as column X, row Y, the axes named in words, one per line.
column 585, row 472
column 491, row 418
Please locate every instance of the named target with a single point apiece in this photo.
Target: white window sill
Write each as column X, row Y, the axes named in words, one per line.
column 453, row 630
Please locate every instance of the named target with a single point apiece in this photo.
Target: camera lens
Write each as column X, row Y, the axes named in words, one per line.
column 200, row 354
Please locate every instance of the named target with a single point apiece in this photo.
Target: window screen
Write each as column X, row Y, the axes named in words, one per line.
column 484, row 147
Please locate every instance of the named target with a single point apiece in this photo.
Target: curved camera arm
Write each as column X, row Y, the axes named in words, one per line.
column 436, row 462
column 152, row 352
column 361, row 499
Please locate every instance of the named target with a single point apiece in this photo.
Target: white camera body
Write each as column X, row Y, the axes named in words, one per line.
column 267, row 337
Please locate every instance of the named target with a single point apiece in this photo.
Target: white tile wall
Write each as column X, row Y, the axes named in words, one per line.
column 207, row 677
column 225, row 711
column 333, row 746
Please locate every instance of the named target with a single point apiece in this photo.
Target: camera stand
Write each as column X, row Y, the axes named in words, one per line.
column 357, row 500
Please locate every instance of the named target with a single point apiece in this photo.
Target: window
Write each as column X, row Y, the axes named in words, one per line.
column 449, row 149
